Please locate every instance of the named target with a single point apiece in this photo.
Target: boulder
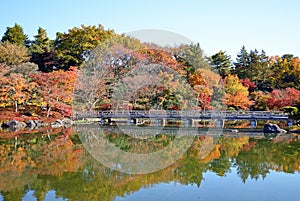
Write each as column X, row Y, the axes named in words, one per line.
column 67, row 122
column 273, row 128
column 38, row 123
column 14, row 125
column 58, row 123
column 4, row 125
column 31, row 124
column 27, row 113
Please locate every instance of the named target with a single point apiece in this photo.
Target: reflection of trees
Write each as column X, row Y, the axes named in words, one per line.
column 220, row 166
column 58, row 165
column 22, row 163
column 283, row 157
column 190, row 171
column 250, row 163
column 13, row 186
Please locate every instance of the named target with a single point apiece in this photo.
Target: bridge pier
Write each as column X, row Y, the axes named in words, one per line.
column 156, row 122
column 135, row 121
column 160, row 122
column 128, row 121
column 253, row 123
column 102, row 121
column 164, row 122
column 194, row 123
column 220, row 123
column 188, row 122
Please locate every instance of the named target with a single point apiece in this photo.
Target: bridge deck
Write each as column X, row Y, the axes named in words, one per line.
column 186, row 114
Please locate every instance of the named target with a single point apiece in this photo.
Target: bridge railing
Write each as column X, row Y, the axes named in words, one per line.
column 182, row 114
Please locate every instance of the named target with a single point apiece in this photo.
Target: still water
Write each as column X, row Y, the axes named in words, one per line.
column 56, row 164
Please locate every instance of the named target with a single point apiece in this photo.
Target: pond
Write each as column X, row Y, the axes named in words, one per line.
column 58, row 164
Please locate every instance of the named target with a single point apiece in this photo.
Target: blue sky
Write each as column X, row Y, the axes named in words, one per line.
column 227, row 25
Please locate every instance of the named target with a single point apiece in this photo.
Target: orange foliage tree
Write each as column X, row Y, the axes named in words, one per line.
column 236, row 94
column 56, row 89
column 14, row 90
column 201, row 89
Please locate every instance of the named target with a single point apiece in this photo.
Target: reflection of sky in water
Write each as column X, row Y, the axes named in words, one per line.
column 277, row 186
column 50, row 195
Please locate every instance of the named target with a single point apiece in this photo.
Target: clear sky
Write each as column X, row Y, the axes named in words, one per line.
column 272, row 25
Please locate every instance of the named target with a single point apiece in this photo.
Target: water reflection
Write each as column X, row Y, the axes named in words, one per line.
column 44, row 166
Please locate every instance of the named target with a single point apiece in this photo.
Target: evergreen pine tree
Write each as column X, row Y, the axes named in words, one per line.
column 15, row 35
column 221, row 63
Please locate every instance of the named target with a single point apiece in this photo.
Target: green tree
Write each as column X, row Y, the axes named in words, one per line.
column 72, row 48
column 245, row 67
column 241, row 64
column 15, row 35
column 194, row 55
column 42, row 51
column 255, row 66
column 287, row 56
column 262, row 73
column 41, row 42
column 220, row 63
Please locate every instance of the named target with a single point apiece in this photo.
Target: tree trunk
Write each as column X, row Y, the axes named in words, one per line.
column 16, row 106
column 48, row 111
column 93, row 105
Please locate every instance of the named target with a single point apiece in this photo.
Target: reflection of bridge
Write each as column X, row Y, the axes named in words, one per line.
column 175, row 131
column 189, row 117
column 150, row 131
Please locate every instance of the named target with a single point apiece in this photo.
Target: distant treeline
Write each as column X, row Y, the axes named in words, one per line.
column 52, row 76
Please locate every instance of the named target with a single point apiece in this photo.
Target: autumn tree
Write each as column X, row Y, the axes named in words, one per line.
column 24, row 69
column 90, row 88
column 201, row 89
column 15, row 90
column 15, row 35
column 55, row 90
column 214, row 86
column 259, row 99
column 13, row 54
column 105, row 66
column 295, row 71
column 285, row 72
column 236, row 94
column 247, row 83
column 280, row 98
column 4, row 68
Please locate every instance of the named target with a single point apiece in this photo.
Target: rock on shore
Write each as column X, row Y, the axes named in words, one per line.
column 273, row 128
column 15, row 125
